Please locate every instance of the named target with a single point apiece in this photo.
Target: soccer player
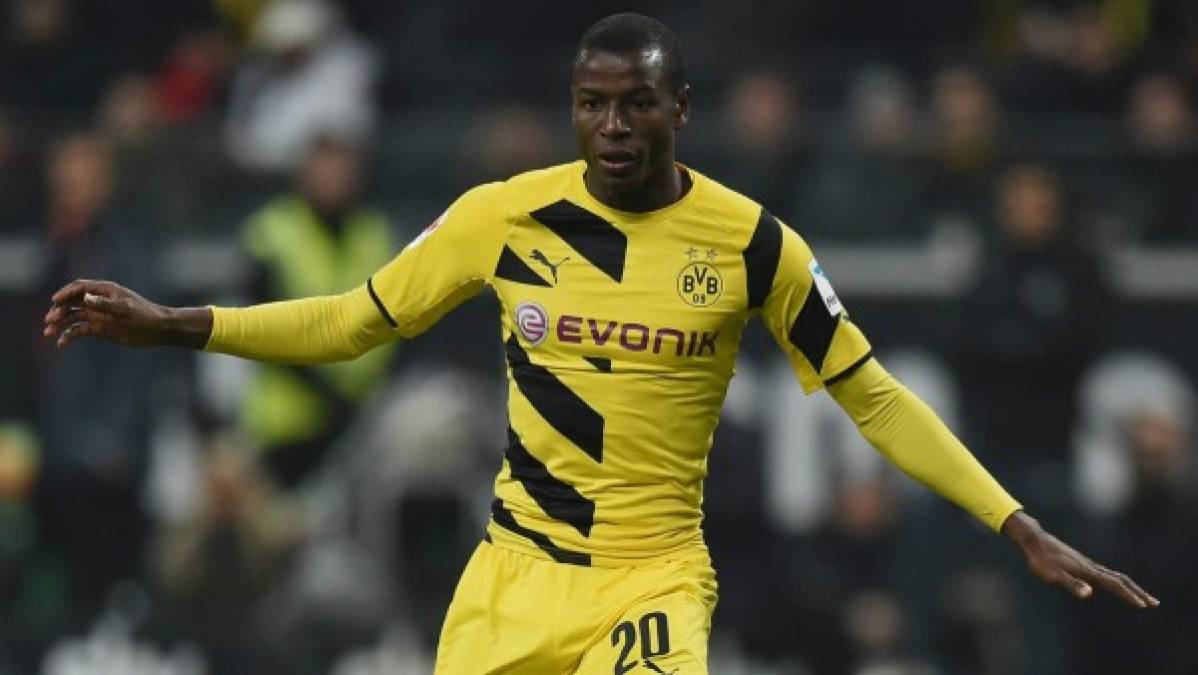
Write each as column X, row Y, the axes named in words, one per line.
column 624, row 281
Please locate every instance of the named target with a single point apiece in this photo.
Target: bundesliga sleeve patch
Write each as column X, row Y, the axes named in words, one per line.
column 825, row 288
column 428, row 230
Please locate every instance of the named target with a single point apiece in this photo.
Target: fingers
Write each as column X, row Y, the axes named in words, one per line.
column 67, row 294
column 1058, row 563
column 1084, row 572
column 81, row 308
column 75, row 331
column 69, row 335
column 88, row 323
column 96, row 304
column 71, row 323
column 70, row 294
column 58, row 314
column 1077, row 587
column 1125, row 588
column 104, row 304
column 60, row 318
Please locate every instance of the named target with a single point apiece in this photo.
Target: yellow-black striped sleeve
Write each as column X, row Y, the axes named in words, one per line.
column 801, row 310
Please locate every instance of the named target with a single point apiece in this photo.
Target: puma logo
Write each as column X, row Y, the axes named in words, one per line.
column 657, row 669
column 540, row 257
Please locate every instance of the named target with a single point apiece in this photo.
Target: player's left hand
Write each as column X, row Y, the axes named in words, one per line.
column 1055, row 562
column 107, row 311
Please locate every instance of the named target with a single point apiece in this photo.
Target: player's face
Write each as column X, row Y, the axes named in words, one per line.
column 625, row 115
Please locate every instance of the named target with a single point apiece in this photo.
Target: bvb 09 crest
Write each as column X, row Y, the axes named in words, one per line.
column 700, row 284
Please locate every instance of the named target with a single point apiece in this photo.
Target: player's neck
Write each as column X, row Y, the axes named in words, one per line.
column 656, row 194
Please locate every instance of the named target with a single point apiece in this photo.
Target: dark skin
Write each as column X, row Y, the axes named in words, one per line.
column 626, row 116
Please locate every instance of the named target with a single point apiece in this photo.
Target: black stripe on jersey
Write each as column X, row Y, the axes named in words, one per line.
column 557, row 498
column 600, row 363
column 512, row 268
column 507, row 521
column 761, row 258
column 563, row 409
column 379, row 303
column 594, row 238
column 812, row 330
column 850, row 370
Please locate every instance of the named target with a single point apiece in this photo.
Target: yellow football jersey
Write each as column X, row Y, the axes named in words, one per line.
column 621, row 331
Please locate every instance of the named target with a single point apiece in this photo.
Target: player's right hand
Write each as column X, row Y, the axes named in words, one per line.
column 104, row 310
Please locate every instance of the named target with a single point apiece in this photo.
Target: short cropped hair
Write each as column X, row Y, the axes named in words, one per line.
column 630, row 32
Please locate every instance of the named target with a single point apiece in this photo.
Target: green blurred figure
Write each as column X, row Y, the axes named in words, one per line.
column 33, row 581
column 318, row 240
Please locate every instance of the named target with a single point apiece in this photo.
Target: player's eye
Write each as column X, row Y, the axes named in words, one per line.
column 589, row 104
column 641, row 104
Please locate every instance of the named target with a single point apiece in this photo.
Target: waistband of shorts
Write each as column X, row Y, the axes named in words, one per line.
column 694, row 550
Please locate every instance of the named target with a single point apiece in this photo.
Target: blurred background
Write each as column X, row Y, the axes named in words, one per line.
column 1005, row 193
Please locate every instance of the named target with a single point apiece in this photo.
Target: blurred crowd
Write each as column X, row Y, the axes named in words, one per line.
column 165, row 512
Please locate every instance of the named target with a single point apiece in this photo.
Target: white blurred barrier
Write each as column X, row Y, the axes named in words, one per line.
column 941, row 268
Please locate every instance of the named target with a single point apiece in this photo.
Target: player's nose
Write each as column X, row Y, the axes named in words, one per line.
column 614, row 123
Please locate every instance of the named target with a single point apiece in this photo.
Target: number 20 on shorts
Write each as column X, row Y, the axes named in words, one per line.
column 652, row 632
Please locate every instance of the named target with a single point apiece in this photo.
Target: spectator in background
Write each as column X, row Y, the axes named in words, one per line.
column 1032, row 79
column 191, row 81
column 507, row 139
column 133, row 121
column 241, row 15
column 132, row 125
column 871, row 187
column 1159, row 179
column 877, row 625
column 310, row 76
column 1117, row 388
column 965, row 144
column 1099, row 64
column 1078, row 60
column 317, row 240
column 216, row 567
column 842, row 586
column 1161, row 116
column 32, row 592
column 763, row 116
column 128, row 112
column 18, row 179
column 19, row 308
column 40, row 68
column 93, row 415
column 1153, row 529
column 979, row 630
column 845, row 565
column 1030, row 325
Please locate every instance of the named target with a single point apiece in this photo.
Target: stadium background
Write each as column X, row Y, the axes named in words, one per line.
column 1003, row 192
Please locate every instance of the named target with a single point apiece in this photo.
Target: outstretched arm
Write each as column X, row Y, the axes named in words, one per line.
column 311, row 330
column 909, row 434
column 450, row 262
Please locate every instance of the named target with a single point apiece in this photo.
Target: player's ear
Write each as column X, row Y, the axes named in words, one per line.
column 682, row 106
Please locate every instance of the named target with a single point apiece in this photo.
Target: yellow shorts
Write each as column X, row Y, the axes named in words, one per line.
column 519, row 615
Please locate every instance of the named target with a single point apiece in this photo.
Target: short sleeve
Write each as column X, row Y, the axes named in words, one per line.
column 801, row 310
column 451, row 261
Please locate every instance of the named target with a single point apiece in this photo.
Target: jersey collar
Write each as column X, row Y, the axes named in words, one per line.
column 585, row 199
